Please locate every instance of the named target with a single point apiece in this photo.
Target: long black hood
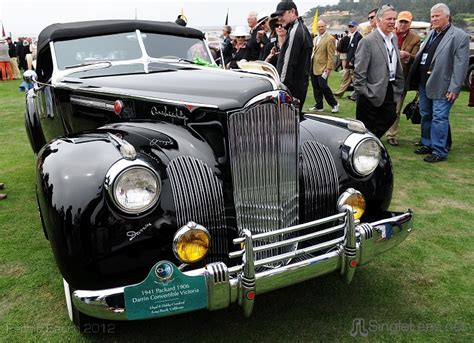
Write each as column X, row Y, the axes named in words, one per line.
column 223, row 89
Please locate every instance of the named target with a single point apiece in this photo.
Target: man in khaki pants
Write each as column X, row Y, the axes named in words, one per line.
column 13, row 59
column 322, row 64
column 349, row 71
column 409, row 44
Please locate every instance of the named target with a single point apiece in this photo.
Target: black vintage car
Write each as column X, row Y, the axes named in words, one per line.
column 166, row 185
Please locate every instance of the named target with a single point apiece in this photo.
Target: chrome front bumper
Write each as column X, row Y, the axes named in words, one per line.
column 359, row 245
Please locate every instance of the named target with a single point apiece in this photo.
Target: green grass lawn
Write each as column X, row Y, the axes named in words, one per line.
column 423, row 290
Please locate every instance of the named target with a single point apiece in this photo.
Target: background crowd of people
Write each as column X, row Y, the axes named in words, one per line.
column 16, row 57
column 380, row 65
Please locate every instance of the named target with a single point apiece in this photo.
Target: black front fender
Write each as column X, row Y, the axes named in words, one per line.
column 70, row 181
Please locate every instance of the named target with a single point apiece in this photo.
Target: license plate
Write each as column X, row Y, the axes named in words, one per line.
column 165, row 291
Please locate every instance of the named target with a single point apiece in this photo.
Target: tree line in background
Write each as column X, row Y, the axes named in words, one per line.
column 461, row 10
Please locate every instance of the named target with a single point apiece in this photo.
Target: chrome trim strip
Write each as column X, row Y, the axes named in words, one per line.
column 106, row 105
column 291, row 229
column 222, row 290
column 291, row 240
column 300, row 252
column 113, row 91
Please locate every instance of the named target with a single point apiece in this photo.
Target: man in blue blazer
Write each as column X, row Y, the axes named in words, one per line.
column 438, row 73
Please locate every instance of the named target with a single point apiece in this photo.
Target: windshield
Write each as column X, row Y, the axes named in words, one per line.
column 125, row 46
column 90, row 50
column 166, row 46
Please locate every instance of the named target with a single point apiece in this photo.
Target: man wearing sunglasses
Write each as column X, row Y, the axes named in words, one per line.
column 372, row 21
column 295, row 56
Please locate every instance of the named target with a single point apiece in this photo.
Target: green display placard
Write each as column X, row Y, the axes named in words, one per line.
column 166, row 291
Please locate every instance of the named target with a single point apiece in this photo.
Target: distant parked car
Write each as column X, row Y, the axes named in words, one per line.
column 166, row 185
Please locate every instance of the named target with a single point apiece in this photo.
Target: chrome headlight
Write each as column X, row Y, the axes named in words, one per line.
column 133, row 186
column 363, row 153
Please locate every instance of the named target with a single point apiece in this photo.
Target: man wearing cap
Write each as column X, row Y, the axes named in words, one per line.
column 322, row 64
column 355, row 37
column 438, row 72
column 295, row 55
column 378, row 74
column 409, row 44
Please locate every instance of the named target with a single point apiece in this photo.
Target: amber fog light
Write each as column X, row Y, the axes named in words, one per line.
column 191, row 243
column 355, row 199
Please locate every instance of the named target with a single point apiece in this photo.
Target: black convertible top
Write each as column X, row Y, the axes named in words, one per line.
column 65, row 31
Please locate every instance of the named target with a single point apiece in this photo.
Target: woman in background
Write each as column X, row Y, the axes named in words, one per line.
column 238, row 50
column 272, row 49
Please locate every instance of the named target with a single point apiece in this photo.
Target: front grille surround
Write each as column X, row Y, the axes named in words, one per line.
column 263, row 143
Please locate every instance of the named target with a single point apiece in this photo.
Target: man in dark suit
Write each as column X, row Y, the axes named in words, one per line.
column 258, row 38
column 378, row 74
column 355, row 37
column 409, row 44
column 438, row 73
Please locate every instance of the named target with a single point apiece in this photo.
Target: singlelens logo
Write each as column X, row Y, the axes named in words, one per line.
column 358, row 328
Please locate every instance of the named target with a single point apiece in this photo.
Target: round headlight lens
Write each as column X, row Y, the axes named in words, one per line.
column 366, row 156
column 136, row 189
column 191, row 243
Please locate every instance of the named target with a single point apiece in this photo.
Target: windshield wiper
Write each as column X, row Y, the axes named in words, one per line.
column 185, row 60
column 85, row 64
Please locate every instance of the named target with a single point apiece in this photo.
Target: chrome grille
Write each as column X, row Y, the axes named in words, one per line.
column 198, row 197
column 320, row 180
column 264, row 158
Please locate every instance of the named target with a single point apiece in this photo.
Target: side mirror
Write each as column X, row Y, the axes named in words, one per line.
column 30, row 76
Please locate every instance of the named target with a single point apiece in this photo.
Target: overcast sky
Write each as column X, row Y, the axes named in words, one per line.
column 29, row 17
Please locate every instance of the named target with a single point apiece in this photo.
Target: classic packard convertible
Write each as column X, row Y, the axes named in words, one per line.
column 167, row 185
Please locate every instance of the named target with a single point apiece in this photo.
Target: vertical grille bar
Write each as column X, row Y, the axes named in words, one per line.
column 264, row 158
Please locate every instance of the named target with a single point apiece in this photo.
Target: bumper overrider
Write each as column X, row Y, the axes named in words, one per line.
column 168, row 291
